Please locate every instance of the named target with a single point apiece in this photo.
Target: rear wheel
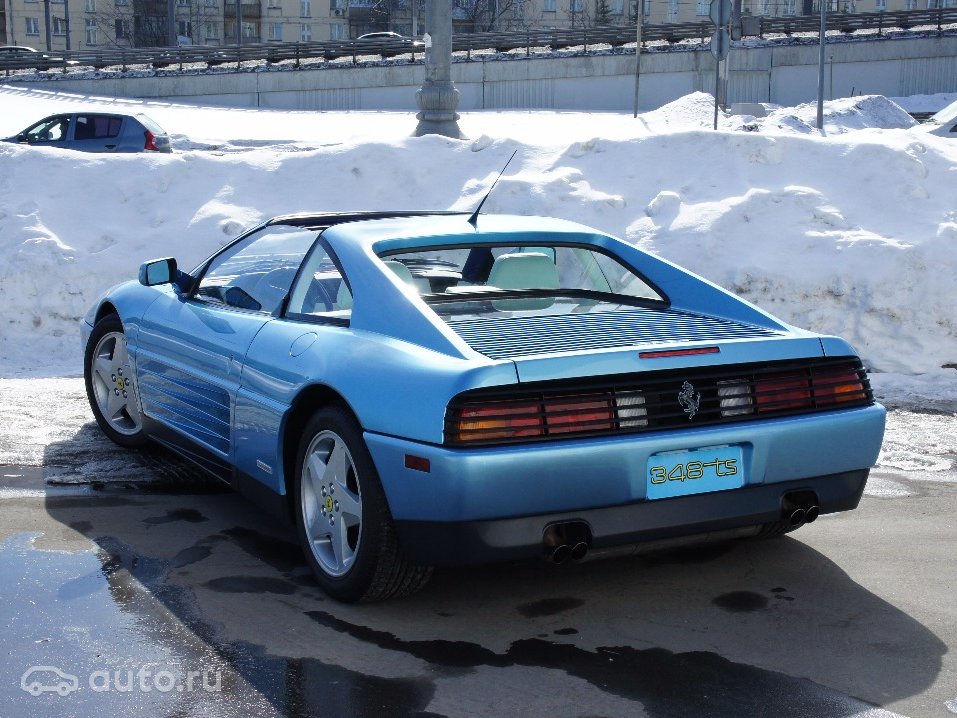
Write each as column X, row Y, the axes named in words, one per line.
column 342, row 516
column 110, row 385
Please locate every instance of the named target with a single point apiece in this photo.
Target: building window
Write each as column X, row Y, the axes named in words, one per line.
column 59, row 26
column 549, row 6
column 275, row 3
column 123, row 29
column 617, row 7
column 305, row 33
column 789, row 7
column 90, row 31
column 646, row 7
column 881, row 5
column 575, row 6
column 672, row 10
column 33, row 26
column 122, row 2
column 305, row 8
column 275, row 31
column 91, row 5
column 184, row 28
column 337, row 31
column 182, row 3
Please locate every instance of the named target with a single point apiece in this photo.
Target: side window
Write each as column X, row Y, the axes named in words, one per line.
column 52, row 130
column 96, row 127
column 256, row 273
column 321, row 290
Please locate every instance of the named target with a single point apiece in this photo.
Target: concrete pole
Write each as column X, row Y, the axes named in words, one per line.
column 820, row 66
column 438, row 98
column 46, row 22
column 66, row 21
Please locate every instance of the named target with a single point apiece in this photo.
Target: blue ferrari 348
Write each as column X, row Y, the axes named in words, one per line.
column 424, row 389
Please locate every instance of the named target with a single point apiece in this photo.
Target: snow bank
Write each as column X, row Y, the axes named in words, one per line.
column 853, row 233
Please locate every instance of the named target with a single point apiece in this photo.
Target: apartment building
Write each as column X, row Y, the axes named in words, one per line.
column 89, row 24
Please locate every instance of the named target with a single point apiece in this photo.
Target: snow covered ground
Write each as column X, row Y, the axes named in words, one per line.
column 853, row 232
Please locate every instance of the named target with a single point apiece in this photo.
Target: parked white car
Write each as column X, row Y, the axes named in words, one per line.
column 943, row 123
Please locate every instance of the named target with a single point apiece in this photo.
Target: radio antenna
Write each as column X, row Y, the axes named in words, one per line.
column 473, row 220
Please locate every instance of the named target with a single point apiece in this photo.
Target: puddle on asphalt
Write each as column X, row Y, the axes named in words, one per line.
column 101, row 633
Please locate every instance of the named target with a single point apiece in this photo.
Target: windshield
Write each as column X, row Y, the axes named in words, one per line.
column 504, row 281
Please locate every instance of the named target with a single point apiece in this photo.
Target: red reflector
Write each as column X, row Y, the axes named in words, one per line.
column 776, row 393
column 150, row 145
column 678, row 353
column 584, row 414
column 419, row 463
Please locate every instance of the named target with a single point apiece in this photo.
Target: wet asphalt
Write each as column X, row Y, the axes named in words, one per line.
column 176, row 597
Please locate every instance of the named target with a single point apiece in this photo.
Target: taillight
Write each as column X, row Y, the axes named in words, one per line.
column 150, row 144
column 499, row 421
column 578, row 414
column 734, row 397
column 632, row 409
column 777, row 393
column 495, row 421
column 838, row 386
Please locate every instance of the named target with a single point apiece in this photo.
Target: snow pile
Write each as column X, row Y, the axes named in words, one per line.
column 843, row 115
column 853, row 233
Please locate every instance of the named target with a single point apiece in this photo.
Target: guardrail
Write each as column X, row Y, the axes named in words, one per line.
column 585, row 38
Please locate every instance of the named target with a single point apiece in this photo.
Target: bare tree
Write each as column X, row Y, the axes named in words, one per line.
column 145, row 23
column 488, row 15
column 602, row 13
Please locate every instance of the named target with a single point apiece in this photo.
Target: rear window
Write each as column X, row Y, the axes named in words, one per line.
column 485, row 280
column 150, row 125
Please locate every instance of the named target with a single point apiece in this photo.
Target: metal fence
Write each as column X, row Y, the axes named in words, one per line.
column 585, row 39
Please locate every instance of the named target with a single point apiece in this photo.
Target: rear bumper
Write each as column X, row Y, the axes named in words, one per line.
column 493, row 503
column 629, row 528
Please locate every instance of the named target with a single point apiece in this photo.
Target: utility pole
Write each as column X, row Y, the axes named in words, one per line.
column 66, row 21
column 46, row 21
column 438, row 98
column 640, row 5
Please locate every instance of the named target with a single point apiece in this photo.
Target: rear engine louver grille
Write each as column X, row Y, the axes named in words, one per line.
column 655, row 401
column 556, row 333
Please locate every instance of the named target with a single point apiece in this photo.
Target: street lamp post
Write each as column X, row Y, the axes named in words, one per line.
column 438, row 98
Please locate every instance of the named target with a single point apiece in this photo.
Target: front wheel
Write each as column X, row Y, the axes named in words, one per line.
column 342, row 516
column 110, row 385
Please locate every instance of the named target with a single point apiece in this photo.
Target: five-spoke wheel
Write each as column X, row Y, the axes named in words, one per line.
column 110, row 384
column 342, row 516
column 331, row 503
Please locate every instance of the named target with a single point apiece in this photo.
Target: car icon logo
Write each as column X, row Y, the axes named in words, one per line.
column 48, row 679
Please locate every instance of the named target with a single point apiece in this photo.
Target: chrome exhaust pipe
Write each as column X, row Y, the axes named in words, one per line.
column 800, row 507
column 565, row 540
column 792, row 512
column 578, row 551
column 559, row 554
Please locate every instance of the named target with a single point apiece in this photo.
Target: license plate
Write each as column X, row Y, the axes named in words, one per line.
column 681, row 473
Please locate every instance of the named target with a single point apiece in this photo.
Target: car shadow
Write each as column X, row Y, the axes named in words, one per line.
column 739, row 628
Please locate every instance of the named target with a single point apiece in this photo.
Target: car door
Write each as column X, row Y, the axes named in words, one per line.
column 52, row 131
column 190, row 348
column 96, row 132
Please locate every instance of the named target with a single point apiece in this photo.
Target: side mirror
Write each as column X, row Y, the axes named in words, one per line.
column 157, row 271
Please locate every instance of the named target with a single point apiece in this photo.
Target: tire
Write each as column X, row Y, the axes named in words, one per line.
column 342, row 517
column 110, row 386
